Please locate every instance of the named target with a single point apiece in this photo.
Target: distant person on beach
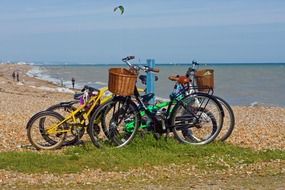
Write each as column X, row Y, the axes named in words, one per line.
column 14, row 75
column 17, row 77
column 73, row 82
column 61, row 82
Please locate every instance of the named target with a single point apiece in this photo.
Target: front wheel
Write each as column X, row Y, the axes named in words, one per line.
column 46, row 125
column 74, row 135
column 120, row 121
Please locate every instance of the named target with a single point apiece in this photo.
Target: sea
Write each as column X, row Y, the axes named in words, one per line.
column 239, row 84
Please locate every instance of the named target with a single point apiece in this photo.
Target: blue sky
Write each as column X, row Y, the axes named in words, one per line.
column 88, row 31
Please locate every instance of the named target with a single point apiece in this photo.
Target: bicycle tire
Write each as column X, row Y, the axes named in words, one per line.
column 70, row 139
column 93, row 132
column 229, row 120
column 196, row 113
column 129, row 114
column 42, row 116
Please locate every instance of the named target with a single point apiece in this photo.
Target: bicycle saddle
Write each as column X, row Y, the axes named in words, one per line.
column 77, row 96
column 91, row 89
column 179, row 79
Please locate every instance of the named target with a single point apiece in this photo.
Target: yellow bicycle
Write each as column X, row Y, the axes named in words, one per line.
column 49, row 129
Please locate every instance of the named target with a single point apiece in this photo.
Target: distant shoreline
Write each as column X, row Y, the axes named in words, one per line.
column 159, row 64
column 167, row 64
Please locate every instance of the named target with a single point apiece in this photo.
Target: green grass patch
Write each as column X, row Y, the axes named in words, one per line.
column 141, row 153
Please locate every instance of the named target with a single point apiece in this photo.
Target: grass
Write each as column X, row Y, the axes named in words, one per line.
column 141, row 153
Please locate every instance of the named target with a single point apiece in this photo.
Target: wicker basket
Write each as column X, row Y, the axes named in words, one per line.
column 122, row 81
column 205, row 79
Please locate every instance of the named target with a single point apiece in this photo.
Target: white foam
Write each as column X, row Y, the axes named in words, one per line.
column 64, row 90
column 257, row 104
column 35, row 72
column 46, row 88
column 17, row 63
column 58, row 89
column 253, row 104
column 24, row 63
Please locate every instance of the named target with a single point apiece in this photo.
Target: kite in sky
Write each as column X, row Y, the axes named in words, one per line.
column 121, row 8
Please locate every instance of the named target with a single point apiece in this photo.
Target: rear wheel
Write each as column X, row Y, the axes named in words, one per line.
column 197, row 119
column 229, row 120
column 45, row 125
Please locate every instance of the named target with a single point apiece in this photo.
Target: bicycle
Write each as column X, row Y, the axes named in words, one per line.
column 181, row 114
column 49, row 129
column 65, row 108
column 229, row 118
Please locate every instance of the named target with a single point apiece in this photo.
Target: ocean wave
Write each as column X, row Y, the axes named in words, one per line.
column 25, row 63
column 38, row 72
column 58, row 89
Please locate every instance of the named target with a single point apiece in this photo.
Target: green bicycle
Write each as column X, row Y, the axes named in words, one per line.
column 124, row 116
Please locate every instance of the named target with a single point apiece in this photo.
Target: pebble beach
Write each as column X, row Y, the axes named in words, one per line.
column 19, row 101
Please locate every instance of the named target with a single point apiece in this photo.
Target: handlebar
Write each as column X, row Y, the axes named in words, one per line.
column 192, row 69
column 195, row 63
column 137, row 67
column 128, row 58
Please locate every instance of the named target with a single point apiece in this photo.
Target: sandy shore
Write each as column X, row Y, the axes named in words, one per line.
column 257, row 127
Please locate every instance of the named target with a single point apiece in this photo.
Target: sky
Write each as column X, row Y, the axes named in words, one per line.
column 88, row 31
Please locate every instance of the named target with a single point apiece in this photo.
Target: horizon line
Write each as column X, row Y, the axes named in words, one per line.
column 67, row 63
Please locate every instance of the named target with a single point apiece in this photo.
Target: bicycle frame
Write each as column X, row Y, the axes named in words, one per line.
column 73, row 119
column 146, row 112
column 151, row 110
